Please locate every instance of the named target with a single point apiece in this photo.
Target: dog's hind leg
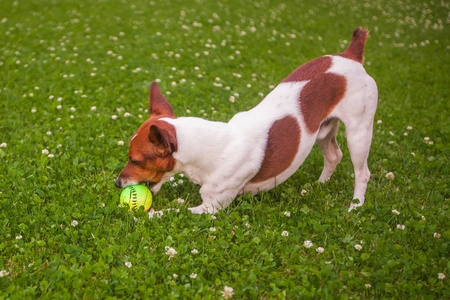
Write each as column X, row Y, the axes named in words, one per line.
column 359, row 138
column 332, row 154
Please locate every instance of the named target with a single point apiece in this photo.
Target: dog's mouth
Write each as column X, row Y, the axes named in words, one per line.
column 148, row 184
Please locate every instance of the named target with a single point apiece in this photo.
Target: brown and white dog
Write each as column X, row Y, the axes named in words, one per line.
column 260, row 148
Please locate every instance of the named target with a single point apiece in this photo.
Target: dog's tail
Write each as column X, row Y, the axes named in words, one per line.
column 355, row 50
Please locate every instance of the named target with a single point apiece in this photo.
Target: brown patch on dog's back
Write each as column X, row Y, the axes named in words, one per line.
column 310, row 70
column 282, row 146
column 318, row 98
column 321, row 94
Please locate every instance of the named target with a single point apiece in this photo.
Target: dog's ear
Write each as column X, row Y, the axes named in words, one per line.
column 164, row 139
column 158, row 104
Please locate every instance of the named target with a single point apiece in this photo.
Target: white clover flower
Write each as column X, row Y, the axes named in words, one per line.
column 437, row 235
column 390, row 176
column 74, row 223
column 73, row 109
column 287, row 214
column 400, row 226
column 48, row 133
column 232, row 99
column 193, row 275
column 213, row 217
column 285, row 233
column 128, row 264
column 180, row 201
column 158, row 213
column 127, row 114
column 368, row 285
column 3, row 273
column 45, row 151
column 171, row 252
column 379, row 122
column 227, row 292
column 409, row 128
column 248, row 225
column 441, row 276
column 308, row 244
column 320, row 249
column 358, row 247
column 120, row 143
column 395, row 211
column 59, row 107
column 103, row 204
column 33, row 110
column 194, row 251
column 3, row 145
column 174, row 83
column 19, row 237
column 51, row 155
column 113, row 117
column 426, row 138
column 175, row 275
column 212, row 229
column 93, row 108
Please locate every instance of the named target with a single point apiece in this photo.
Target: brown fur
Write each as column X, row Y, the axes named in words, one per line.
column 146, row 162
column 310, row 70
column 318, row 98
column 355, row 50
column 151, row 149
column 282, row 146
column 321, row 94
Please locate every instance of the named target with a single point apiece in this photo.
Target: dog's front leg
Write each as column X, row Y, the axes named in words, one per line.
column 214, row 199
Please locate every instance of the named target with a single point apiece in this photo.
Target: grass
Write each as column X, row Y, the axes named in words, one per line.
column 60, row 155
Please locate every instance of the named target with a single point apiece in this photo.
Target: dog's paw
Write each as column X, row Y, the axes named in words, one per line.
column 355, row 205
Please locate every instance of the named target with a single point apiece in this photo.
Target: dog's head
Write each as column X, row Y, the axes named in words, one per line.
column 151, row 147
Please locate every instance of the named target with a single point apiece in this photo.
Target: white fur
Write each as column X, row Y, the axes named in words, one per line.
column 224, row 157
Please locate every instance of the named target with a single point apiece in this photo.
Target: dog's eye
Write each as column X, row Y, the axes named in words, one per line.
column 135, row 162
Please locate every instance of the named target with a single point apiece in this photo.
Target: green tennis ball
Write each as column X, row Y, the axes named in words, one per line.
column 136, row 196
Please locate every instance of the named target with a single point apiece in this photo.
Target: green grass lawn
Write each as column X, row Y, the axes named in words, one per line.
column 74, row 79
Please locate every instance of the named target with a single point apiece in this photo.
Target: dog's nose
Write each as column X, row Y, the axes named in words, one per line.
column 118, row 183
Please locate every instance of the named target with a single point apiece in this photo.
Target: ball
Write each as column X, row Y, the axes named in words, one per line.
column 136, row 196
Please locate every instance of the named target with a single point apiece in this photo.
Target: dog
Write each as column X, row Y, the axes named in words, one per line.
column 260, row 148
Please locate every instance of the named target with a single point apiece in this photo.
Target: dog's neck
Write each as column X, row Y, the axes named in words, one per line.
column 200, row 143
